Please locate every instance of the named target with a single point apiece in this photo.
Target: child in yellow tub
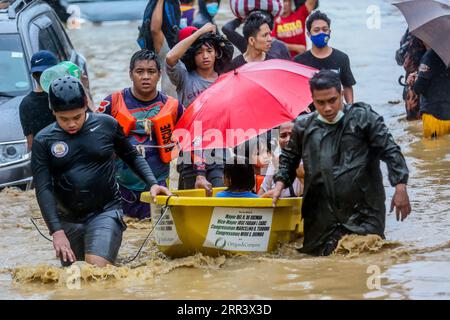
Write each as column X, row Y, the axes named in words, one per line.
column 239, row 177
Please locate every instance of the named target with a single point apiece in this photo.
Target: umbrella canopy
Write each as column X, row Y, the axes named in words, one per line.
column 244, row 103
column 429, row 20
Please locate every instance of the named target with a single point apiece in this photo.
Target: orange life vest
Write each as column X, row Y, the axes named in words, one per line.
column 163, row 123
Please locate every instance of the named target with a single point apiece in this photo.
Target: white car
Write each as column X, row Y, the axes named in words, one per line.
column 25, row 28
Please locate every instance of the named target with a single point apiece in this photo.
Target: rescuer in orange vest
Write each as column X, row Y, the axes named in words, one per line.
column 148, row 117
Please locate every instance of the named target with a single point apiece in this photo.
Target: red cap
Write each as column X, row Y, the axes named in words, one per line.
column 186, row 32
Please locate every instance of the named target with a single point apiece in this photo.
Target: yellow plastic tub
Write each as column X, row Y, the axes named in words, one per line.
column 214, row 226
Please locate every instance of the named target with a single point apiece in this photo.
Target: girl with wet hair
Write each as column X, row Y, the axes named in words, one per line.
column 197, row 60
column 239, row 177
column 222, row 47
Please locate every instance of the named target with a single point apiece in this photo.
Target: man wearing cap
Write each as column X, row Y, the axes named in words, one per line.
column 74, row 172
column 34, row 111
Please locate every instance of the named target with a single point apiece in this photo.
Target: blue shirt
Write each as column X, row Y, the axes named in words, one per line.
column 230, row 194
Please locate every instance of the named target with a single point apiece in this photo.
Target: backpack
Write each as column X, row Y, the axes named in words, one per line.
column 170, row 25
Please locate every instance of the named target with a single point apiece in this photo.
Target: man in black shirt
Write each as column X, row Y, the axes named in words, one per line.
column 259, row 41
column 74, row 172
column 34, row 111
column 322, row 56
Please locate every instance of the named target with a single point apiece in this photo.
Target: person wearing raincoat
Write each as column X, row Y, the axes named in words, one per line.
column 341, row 147
column 432, row 82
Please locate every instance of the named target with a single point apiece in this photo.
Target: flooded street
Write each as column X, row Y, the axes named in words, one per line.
column 412, row 263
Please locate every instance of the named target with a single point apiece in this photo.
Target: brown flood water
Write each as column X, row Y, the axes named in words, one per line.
column 413, row 262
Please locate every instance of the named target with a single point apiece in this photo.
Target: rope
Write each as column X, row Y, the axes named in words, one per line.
column 163, row 212
column 37, row 228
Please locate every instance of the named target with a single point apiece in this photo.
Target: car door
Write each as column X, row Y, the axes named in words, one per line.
column 47, row 33
column 74, row 56
column 43, row 36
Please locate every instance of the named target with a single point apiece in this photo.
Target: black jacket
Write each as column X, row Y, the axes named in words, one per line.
column 343, row 180
column 433, row 85
column 75, row 174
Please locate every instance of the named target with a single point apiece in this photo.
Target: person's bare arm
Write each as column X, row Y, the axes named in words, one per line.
column 348, row 94
column 400, row 201
column 300, row 172
column 62, row 247
column 181, row 47
column 156, row 26
column 29, row 141
column 310, row 5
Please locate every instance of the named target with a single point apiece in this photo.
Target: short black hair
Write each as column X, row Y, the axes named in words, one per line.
column 253, row 23
column 325, row 79
column 144, row 54
column 264, row 14
column 240, row 173
column 317, row 15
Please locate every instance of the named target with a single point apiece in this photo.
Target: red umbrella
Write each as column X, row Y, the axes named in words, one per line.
column 244, row 103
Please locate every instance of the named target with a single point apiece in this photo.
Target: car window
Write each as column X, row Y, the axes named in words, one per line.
column 47, row 37
column 14, row 76
column 46, row 42
column 61, row 35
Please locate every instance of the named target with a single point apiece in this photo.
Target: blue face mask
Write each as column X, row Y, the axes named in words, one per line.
column 320, row 40
column 212, row 8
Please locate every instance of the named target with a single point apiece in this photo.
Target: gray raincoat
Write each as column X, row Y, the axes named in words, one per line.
column 343, row 181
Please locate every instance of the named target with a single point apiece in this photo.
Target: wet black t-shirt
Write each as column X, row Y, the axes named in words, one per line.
column 75, row 174
column 337, row 61
column 35, row 113
column 239, row 61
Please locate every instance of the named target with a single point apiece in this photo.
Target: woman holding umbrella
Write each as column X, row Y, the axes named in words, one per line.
column 430, row 22
column 432, row 83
